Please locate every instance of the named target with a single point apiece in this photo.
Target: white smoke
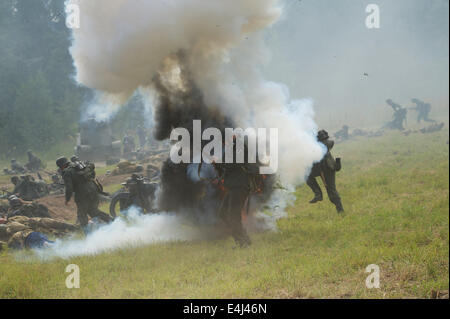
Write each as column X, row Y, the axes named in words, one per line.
column 121, row 45
column 133, row 231
column 136, row 229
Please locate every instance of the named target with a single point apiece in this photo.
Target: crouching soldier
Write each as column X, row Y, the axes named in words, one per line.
column 79, row 178
column 326, row 169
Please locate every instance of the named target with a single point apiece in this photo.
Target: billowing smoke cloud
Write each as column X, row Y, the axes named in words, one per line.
column 133, row 231
column 122, row 45
column 137, row 229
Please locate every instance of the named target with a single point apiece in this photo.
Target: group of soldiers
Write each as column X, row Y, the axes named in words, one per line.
column 399, row 118
column 33, row 165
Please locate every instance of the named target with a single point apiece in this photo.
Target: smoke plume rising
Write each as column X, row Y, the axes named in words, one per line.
column 121, row 46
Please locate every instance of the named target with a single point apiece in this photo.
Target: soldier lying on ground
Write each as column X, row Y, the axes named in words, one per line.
column 19, row 207
column 432, row 128
column 342, row 134
column 126, row 167
column 23, row 232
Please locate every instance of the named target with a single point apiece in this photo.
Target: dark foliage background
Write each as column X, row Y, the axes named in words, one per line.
column 40, row 102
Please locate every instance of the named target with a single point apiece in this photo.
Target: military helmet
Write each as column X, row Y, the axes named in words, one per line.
column 62, row 161
column 13, row 160
column 14, row 201
column 74, row 159
column 322, row 135
column 29, row 152
column 14, row 179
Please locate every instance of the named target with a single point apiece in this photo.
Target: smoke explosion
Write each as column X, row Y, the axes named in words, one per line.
column 195, row 59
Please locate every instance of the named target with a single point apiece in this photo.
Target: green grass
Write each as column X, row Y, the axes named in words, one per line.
column 395, row 192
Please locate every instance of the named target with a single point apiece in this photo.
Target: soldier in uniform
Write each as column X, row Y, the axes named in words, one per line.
column 34, row 163
column 128, row 145
column 326, row 169
column 236, row 181
column 16, row 167
column 19, row 207
column 28, row 189
column 342, row 135
column 399, row 115
column 423, row 109
column 79, row 178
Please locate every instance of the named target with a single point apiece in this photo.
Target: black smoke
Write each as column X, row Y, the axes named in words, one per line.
column 178, row 105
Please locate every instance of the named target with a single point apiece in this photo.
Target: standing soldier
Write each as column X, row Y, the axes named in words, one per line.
column 128, row 145
column 79, row 178
column 423, row 109
column 326, row 169
column 236, row 182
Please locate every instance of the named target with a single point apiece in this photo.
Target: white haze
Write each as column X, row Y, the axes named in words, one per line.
column 136, row 229
column 322, row 48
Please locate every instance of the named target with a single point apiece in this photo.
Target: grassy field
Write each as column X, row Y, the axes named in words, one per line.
column 395, row 190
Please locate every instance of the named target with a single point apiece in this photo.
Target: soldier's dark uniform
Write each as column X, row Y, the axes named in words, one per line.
column 342, row 134
column 34, row 163
column 423, row 109
column 16, row 167
column 237, row 189
column 399, row 115
column 79, row 178
column 28, row 189
column 327, row 168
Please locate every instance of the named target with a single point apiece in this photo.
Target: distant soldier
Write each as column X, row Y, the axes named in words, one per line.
column 79, row 178
column 28, row 189
column 326, row 169
column 342, row 135
column 16, row 167
column 399, row 116
column 34, row 163
column 128, row 145
column 423, row 109
column 142, row 134
column 57, row 185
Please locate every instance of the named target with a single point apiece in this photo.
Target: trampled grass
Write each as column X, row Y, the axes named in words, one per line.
column 395, row 191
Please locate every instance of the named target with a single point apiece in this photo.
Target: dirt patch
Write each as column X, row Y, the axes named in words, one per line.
column 58, row 209
column 113, row 180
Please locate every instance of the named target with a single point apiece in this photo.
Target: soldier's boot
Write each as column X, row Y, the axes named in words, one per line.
column 317, row 198
column 243, row 240
column 339, row 207
column 312, row 183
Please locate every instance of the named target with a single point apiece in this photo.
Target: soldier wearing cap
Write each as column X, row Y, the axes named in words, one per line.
column 326, row 169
